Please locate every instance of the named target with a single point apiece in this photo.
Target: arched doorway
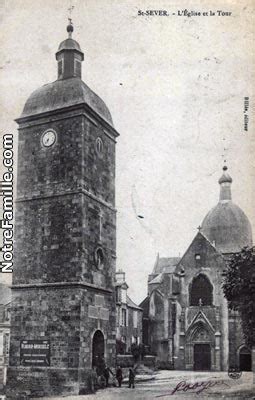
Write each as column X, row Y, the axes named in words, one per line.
column 200, row 348
column 97, row 348
column 245, row 359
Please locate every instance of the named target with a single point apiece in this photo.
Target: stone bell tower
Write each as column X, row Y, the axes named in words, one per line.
column 63, row 312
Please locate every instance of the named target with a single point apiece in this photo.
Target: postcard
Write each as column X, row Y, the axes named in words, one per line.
column 126, row 199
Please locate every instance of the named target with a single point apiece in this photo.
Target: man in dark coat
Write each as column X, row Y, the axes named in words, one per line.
column 119, row 375
column 106, row 376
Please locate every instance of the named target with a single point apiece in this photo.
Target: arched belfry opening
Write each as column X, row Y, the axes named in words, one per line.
column 245, row 359
column 97, row 348
column 201, row 291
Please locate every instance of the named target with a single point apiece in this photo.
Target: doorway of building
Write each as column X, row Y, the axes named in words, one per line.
column 245, row 359
column 202, row 357
column 97, row 348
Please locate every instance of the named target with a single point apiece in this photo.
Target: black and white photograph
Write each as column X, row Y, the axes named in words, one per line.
column 127, row 178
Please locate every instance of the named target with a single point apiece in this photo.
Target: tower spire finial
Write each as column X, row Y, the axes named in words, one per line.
column 69, row 27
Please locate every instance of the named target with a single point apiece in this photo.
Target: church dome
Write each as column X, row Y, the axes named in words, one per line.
column 226, row 225
column 68, row 90
column 64, row 93
column 69, row 44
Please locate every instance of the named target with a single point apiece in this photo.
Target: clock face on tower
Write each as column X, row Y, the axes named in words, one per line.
column 49, row 138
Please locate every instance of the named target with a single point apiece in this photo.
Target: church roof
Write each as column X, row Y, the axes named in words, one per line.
column 64, row 93
column 131, row 304
column 165, row 264
column 145, row 305
column 157, row 279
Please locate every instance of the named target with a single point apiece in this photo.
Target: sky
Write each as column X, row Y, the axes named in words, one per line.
column 175, row 86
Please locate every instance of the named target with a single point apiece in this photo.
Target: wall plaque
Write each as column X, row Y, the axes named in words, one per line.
column 99, row 300
column 104, row 314
column 35, row 353
column 93, row 312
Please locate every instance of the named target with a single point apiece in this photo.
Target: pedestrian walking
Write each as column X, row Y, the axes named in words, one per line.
column 131, row 378
column 107, row 372
column 119, row 375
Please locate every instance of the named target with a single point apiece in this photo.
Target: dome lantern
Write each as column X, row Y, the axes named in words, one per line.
column 69, row 56
column 225, row 185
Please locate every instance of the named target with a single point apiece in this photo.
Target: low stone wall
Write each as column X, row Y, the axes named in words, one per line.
column 164, row 365
column 149, row 361
column 125, row 361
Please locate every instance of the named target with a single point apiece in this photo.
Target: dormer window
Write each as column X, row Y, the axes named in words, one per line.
column 198, row 257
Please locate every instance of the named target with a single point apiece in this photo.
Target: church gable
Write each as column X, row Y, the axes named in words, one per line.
column 200, row 254
column 200, row 321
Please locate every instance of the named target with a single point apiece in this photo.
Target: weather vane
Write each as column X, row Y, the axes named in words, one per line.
column 225, row 149
column 70, row 9
column 70, row 25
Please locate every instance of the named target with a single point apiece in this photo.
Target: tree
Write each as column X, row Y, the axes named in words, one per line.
column 239, row 290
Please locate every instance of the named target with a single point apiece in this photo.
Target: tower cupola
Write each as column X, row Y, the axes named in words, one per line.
column 69, row 56
column 225, row 185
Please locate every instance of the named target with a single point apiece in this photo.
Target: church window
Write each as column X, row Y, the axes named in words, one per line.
column 201, row 291
column 99, row 146
column 99, row 258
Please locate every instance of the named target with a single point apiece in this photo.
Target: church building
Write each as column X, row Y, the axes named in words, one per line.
column 63, row 316
column 187, row 323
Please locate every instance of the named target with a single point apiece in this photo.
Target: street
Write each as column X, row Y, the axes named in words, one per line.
column 164, row 386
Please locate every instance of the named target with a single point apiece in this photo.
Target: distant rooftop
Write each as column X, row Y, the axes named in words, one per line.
column 165, row 264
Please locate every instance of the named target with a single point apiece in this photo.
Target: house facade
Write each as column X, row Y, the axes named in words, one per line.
column 128, row 316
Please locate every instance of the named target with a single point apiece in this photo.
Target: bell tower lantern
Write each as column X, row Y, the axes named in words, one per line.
column 69, row 56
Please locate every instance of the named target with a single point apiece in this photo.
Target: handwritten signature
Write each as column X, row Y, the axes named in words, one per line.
column 197, row 387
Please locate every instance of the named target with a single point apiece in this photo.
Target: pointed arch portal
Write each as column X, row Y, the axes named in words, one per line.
column 200, row 347
column 97, row 348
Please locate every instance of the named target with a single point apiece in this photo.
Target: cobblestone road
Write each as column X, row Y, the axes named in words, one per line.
column 164, row 383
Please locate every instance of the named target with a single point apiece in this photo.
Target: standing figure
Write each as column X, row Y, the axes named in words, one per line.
column 131, row 378
column 107, row 372
column 119, row 375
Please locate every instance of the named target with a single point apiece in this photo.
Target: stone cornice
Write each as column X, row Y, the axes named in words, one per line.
column 67, row 193
column 64, row 113
column 54, row 285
